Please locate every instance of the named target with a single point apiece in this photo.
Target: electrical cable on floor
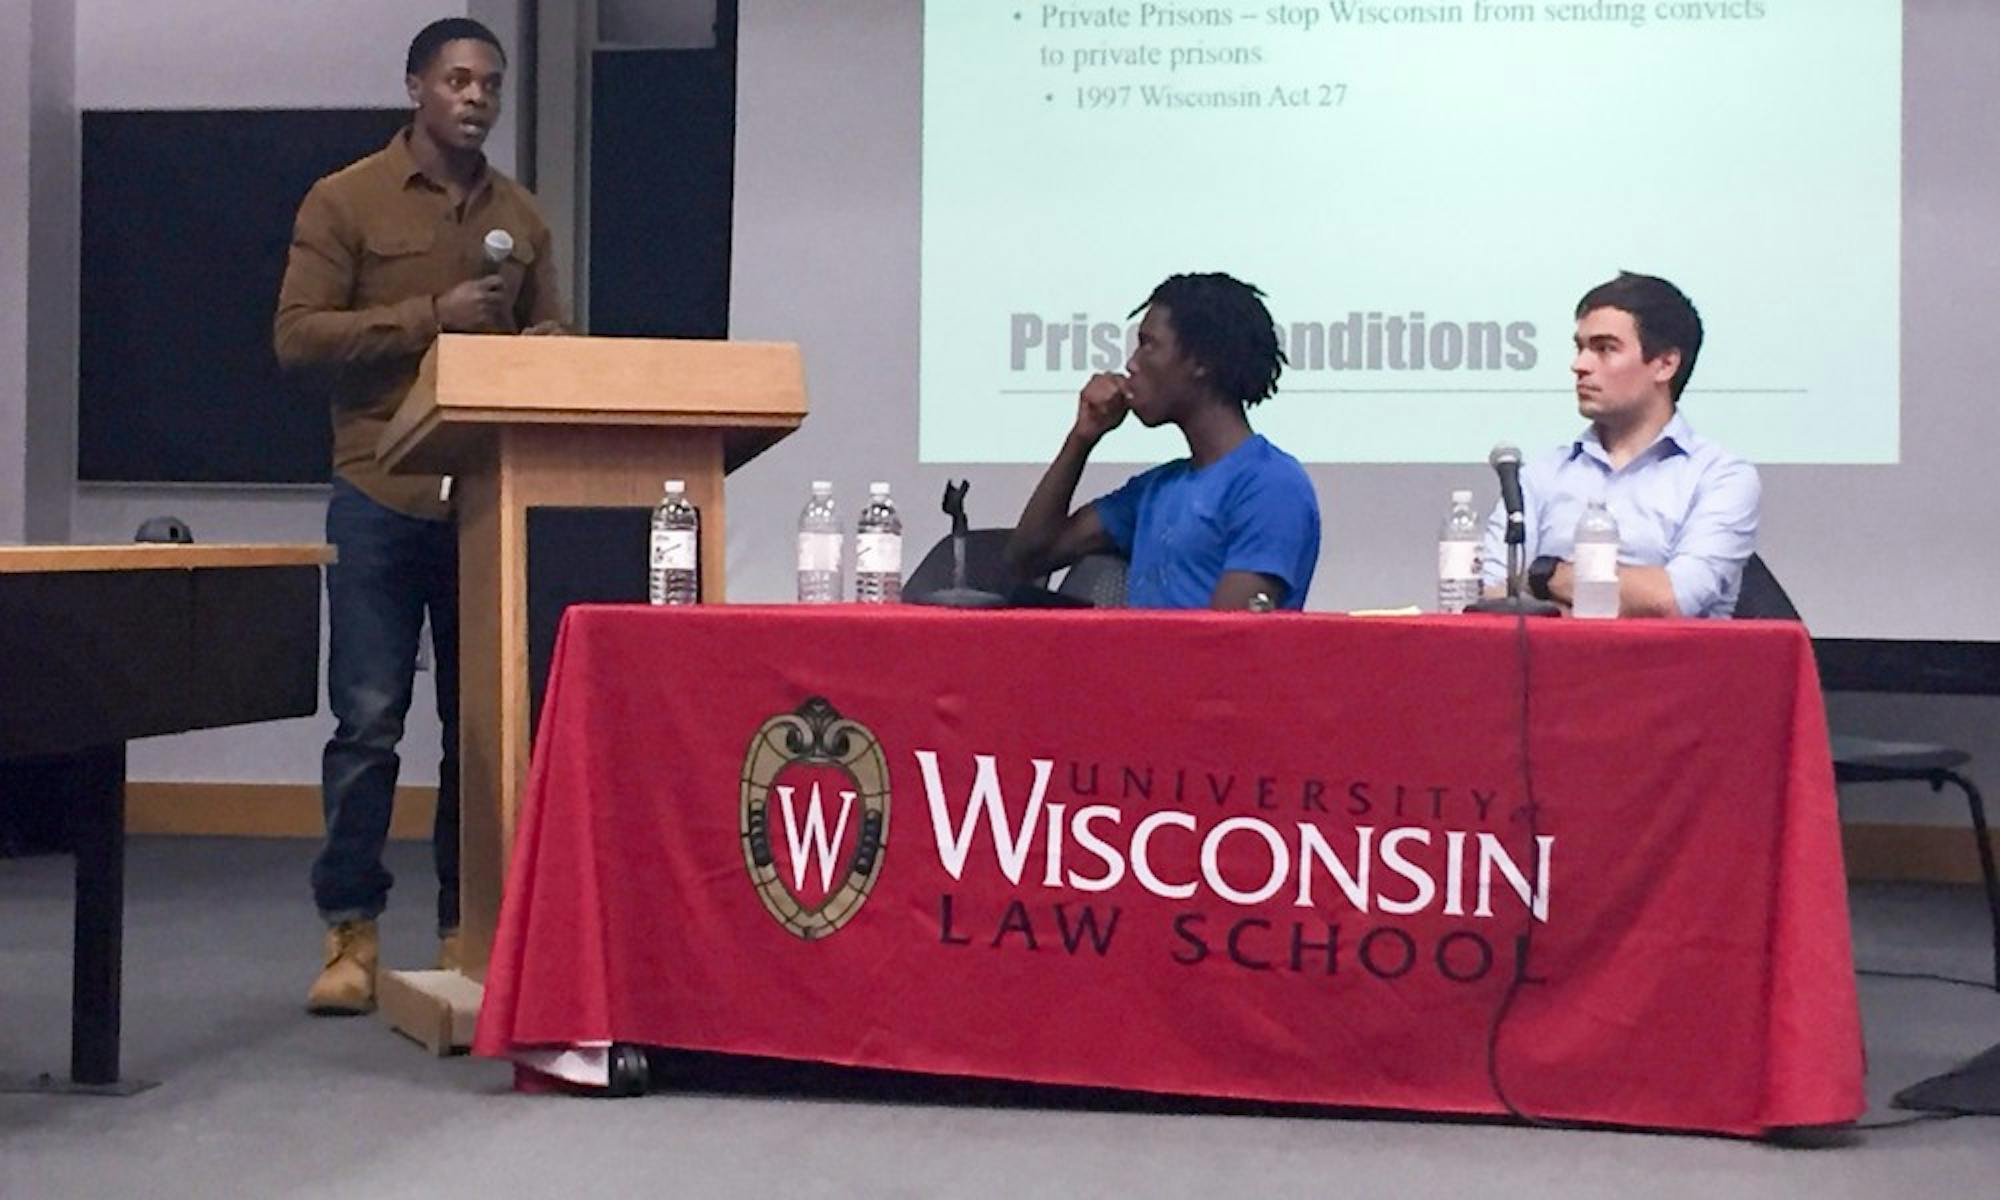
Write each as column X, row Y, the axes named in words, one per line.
column 1928, row 977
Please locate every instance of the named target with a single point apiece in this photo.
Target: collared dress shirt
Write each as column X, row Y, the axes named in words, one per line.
column 374, row 245
column 1683, row 503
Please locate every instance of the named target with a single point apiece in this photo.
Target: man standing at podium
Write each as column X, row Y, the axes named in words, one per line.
column 1235, row 521
column 386, row 254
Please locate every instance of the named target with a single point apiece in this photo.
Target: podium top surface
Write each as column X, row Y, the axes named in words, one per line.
column 754, row 392
column 153, row 556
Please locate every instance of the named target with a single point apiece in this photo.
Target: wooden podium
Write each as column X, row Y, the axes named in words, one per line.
column 525, row 422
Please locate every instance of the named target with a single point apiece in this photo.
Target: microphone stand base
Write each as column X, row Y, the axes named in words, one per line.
column 1511, row 606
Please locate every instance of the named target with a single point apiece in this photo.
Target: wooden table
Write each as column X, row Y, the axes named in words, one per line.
column 103, row 644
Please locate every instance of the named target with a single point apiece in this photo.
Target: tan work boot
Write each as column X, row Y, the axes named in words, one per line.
column 449, row 958
column 346, row 985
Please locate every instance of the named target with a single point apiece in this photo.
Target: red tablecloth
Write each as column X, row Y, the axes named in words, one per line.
column 1328, row 905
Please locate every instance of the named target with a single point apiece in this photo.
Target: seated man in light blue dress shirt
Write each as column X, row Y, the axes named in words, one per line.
column 1686, row 508
column 1233, row 525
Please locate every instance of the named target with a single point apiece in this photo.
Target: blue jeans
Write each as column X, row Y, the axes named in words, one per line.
column 392, row 570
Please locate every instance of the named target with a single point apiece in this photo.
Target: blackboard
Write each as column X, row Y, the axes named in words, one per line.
column 186, row 217
column 661, row 192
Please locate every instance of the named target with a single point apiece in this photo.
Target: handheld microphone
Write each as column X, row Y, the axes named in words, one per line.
column 1506, row 463
column 499, row 244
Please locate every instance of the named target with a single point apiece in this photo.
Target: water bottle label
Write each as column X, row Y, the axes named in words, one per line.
column 1458, row 560
column 1597, row 562
column 673, row 550
column 878, row 554
column 819, row 552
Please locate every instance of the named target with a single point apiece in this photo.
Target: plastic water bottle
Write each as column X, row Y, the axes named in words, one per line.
column 819, row 547
column 1458, row 556
column 1596, row 563
column 675, row 576
column 878, row 550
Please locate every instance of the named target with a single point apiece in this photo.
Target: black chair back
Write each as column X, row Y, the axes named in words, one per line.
column 986, row 567
column 1098, row 578
column 1761, row 596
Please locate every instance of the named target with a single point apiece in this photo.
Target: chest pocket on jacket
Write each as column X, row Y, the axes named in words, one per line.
column 395, row 265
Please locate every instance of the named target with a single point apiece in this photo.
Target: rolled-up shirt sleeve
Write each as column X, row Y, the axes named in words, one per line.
column 1706, row 566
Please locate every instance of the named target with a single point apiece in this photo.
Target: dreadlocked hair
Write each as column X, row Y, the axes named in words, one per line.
column 1222, row 323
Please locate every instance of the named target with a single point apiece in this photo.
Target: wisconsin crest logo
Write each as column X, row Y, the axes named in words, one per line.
column 803, row 767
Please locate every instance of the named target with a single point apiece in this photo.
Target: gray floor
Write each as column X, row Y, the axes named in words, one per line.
column 260, row 1100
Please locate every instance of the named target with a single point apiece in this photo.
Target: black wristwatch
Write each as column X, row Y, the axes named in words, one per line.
column 1540, row 572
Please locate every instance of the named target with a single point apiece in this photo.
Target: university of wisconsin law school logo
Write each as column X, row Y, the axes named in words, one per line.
column 801, row 765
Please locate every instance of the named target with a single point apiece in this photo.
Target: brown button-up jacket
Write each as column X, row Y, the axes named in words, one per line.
column 374, row 245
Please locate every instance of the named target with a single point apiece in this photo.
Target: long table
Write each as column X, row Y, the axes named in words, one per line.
column 1292, row 858
column 103, row 644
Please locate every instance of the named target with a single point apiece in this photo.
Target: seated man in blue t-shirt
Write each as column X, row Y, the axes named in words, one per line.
column 1236, row 518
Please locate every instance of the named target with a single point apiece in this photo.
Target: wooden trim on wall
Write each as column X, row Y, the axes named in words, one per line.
column 1913, row 853
column 280, row 810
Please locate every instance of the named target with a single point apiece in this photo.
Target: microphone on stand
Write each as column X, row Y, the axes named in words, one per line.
column 1505, row 459
column 960, row 594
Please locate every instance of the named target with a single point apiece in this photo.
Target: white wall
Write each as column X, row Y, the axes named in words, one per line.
column 52, row 309
column 180, row 54
column 146, row 54
column 15, row 132
column 38, row 265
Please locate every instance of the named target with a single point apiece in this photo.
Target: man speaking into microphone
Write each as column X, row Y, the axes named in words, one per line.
column 420, row 238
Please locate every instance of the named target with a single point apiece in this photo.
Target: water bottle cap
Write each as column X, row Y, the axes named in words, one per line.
column 676, row 486
column 822, row 487
column 1462, row 496
column 878, row 489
